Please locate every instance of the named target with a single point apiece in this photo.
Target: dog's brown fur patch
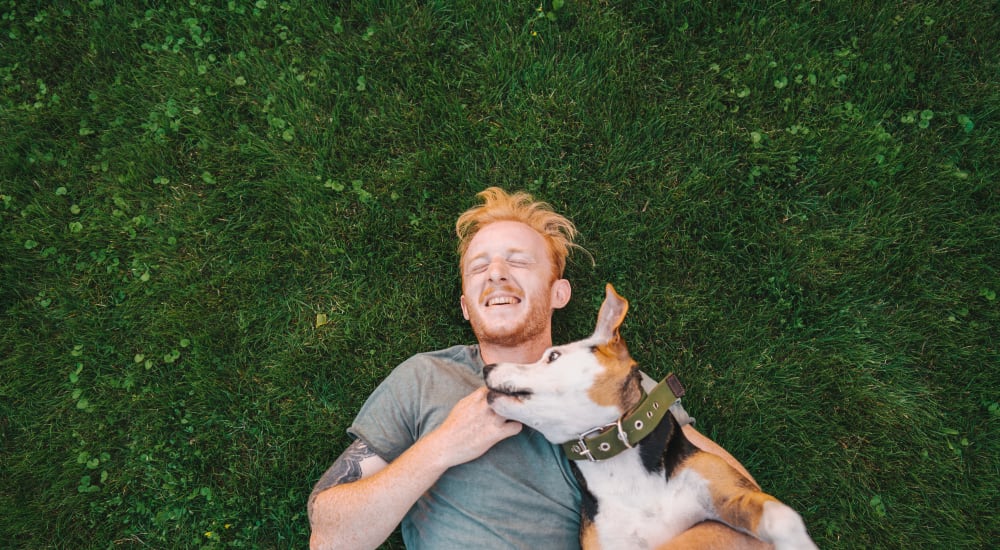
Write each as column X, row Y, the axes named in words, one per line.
column 737, row 500
column 609, row 384
column 588, row 535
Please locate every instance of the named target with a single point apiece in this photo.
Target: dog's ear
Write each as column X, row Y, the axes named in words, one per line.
column 612, row 314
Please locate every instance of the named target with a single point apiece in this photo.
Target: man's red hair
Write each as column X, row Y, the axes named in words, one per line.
column 498, row 205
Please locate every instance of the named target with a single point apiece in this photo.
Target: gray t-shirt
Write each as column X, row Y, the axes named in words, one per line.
column 520, row 494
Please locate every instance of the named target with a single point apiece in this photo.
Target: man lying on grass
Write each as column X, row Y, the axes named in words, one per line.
column 430, row 453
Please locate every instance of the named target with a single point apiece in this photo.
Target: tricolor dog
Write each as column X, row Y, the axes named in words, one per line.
column 642, row 481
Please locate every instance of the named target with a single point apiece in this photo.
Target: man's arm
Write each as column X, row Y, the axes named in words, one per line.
column 356, row 462
column 709, row 446
column 712, row 534
column 368, row 497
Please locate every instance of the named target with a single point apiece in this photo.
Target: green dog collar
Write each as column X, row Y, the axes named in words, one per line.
column 604, row 442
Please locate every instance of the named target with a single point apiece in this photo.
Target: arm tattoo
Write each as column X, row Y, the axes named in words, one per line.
column 347, row 467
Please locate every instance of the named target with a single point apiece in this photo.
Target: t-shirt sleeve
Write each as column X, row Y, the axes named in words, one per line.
column 387, row 422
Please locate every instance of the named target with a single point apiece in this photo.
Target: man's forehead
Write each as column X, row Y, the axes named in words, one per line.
column 506, row 237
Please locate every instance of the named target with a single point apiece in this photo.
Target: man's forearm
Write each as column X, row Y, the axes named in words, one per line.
column 712, row 534
column 707, row 445
column 363, row 513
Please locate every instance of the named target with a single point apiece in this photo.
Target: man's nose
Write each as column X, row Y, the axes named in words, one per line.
column 498, row 270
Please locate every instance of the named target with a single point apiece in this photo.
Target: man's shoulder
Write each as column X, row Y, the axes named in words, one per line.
column 460, row 354
column 448, row 365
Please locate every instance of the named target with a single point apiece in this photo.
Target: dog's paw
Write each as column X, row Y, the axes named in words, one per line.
column 784, row 528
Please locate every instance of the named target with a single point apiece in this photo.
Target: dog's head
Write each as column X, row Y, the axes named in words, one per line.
column 574, row 387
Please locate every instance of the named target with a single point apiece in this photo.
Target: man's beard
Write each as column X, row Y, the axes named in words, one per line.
column 535, row 323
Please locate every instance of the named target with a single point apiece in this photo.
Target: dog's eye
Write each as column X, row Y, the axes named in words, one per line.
column 553, row 356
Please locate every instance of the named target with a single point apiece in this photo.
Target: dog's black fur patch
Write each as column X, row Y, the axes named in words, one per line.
column 588, row 504
column 631, row 390
column 665, row 448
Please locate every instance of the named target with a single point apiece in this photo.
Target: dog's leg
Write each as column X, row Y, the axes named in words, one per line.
column 741, row 504
column 784, row 526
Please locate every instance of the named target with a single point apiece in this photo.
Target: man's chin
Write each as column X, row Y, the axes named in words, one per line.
column 508, row 335
column 512, row 328
column 497, row 337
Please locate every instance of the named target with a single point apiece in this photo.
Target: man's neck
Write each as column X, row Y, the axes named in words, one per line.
column 526, row 352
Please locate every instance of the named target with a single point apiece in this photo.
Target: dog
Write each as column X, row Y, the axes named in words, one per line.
column 642, row 481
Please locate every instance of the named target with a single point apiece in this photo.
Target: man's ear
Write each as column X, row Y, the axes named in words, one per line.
column 465, row 309
column 561, row 292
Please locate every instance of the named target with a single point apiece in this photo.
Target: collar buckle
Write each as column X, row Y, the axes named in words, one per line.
column 581, row 440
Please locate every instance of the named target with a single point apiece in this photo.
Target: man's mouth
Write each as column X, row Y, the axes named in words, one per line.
column 502, row 301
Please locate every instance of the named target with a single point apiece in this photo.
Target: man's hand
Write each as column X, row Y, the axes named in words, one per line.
column 471, row 429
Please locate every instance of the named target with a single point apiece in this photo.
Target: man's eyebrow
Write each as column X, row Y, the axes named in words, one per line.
column 506, row 254
column 523, row 255
column 478, row 257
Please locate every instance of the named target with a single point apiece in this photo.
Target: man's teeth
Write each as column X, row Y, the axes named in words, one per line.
column 502, row 300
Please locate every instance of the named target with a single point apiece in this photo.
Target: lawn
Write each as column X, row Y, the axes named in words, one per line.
column 223, row 223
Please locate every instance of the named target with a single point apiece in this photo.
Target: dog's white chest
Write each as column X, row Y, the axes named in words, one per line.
column 637, row 509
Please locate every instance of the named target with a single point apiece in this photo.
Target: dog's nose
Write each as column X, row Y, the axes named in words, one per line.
column 487, row 369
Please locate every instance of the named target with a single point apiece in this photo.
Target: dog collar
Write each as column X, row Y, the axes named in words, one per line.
column 604, row 442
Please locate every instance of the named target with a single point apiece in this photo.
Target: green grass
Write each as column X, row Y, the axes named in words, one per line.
column 800, row 199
